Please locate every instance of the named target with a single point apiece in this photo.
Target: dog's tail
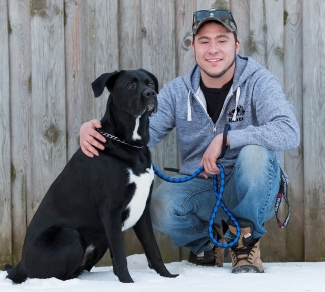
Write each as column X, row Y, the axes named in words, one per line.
column 16, row 274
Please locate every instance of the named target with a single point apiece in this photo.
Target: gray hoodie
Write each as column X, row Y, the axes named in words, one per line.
column 255, row 108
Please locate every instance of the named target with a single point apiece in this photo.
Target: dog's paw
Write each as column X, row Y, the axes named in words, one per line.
column 126, row 279
column 169, row 275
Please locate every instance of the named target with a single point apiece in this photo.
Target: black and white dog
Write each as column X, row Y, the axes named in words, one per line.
column 94, row 199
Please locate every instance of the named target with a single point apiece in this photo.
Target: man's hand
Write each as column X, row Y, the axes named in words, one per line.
column 89, row 138
column 210, row 156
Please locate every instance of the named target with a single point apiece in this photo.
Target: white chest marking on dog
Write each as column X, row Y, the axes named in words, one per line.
column 135, row 135
column 139, row 200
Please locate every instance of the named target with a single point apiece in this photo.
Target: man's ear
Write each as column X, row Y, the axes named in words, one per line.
column 106, row 79
column 153, row 77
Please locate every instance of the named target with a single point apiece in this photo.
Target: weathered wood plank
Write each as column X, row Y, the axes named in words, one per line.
column 130, row 44
column 5, row 173
column 293, row 160
column 184, row 53
column 102, row 54
column 158, row 50
column 48, row 131
column 20, row 99
column 274, row 243
column 106, row 53
column 207, row 4
column 78, row 110
column 313, row 129
column 130, row 35
column 241, row 14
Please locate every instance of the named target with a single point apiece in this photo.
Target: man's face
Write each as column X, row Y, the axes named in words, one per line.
column 215, row 50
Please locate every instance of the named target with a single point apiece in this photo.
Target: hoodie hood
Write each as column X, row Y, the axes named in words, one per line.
column 245, row 67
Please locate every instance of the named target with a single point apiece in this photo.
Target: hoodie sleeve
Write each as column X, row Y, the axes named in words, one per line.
column 277, row 128
column 163, row 121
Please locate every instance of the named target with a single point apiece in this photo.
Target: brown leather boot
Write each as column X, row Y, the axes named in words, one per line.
column 245, row 255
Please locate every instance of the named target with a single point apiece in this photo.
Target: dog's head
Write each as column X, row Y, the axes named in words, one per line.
column 133, row 91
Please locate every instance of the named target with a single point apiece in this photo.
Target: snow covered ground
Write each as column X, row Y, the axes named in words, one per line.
column 277, row 277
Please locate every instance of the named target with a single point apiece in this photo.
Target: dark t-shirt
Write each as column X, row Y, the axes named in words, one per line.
column 215, row 98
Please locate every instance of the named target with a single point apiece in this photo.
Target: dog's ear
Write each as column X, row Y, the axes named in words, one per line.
column 153, row 77
column 106, row 79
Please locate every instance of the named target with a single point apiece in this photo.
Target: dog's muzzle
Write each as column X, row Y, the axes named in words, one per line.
column 151, row 109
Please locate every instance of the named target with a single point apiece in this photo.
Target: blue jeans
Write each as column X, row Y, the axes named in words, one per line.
column 183, row 210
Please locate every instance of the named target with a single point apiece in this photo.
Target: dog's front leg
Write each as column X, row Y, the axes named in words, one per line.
column 144, row 231
column 113, row 229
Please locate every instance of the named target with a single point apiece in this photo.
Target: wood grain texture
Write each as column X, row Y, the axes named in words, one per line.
column 77, row 108
column 158, row 50
column 48, row 129
column 130, row 35
column 130, row 57
column 20, row 109
column 5, row 168
column 293, row 160
column 313, row 128
column 241, row 13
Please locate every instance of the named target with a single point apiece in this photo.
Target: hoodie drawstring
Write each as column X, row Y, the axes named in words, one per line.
column 189, row 111
column 234, row 117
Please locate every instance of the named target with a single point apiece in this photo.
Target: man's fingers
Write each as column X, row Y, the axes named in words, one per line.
column 91, row 139
column 96, row 123
column 204, row 174
column 90, row 148
column 85, row 151
column 209, row 167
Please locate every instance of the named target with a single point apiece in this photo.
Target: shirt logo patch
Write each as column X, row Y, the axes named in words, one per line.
column 239, row 116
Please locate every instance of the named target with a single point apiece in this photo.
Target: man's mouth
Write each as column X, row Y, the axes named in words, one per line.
column 214, row 60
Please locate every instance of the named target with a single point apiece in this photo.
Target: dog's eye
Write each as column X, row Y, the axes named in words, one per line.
column 131, row 86
column 151, row 84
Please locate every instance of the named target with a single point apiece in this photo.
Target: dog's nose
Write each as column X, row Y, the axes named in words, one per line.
column 149, row 93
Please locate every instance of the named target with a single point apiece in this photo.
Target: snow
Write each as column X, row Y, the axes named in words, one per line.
column 277, row 277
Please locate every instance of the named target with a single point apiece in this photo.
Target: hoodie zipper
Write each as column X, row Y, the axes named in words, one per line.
column 214, row 126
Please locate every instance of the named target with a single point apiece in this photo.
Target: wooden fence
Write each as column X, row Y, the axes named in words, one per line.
column 51, row 50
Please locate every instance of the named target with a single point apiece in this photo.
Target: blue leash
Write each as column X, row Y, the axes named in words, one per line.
column 218, row 202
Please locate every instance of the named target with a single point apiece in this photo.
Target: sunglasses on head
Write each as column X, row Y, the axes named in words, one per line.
column 221, row 15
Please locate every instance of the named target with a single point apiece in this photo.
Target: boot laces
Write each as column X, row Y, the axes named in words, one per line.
column 243, row 253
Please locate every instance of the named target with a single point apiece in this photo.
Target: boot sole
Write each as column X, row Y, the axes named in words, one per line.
column 246, row 269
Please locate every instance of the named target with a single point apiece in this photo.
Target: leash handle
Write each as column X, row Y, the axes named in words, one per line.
column 282, row 194
column 224, row 141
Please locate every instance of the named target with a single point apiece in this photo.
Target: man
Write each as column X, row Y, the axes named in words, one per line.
column 222, row 88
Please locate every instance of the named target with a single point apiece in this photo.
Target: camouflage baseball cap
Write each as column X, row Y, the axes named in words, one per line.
column 219, row 15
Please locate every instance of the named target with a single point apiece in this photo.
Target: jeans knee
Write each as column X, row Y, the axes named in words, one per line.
column 255, row 165
column 255, row 157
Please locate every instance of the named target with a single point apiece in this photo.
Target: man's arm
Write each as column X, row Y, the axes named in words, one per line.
column 277, row 129
column 90, row 139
